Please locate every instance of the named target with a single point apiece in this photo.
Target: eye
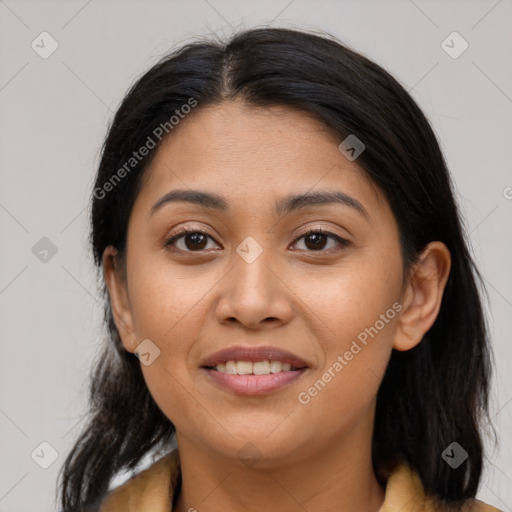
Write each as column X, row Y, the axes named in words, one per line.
column 315, row 240
column 195, row 240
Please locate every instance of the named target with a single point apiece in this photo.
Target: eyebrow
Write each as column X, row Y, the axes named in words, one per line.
column 283, row 207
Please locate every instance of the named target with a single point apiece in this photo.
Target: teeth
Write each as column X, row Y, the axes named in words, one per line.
column 261, row 368
column 243, row 367
column 258, row 368
column 275, row 366
column 230, row 367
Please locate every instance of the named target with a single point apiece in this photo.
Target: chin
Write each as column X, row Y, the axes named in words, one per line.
column 257, row 448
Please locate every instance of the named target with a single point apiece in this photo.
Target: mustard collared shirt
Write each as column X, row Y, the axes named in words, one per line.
column 152, row 490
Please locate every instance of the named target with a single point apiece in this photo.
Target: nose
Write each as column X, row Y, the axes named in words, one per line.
column 255, row 294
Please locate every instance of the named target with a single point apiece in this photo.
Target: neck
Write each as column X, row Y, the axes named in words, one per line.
column 338, row 478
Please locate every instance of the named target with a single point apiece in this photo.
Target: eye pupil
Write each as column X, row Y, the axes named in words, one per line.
column 316, row 238
column 196, row 240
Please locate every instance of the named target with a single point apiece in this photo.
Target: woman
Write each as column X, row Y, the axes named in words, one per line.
column 289, row 295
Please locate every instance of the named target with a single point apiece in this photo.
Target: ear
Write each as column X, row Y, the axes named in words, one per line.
column 423, row 295
column 115, row 279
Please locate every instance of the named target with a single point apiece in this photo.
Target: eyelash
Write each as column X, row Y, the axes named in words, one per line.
column 185, row 231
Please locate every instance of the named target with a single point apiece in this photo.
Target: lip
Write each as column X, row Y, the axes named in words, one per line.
column 254, row 384
column 253, row 354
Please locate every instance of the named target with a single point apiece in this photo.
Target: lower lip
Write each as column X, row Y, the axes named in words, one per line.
column 254, row 384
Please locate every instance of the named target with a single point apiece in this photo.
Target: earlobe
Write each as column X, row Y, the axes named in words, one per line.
column 423, row 295
column 117, row 289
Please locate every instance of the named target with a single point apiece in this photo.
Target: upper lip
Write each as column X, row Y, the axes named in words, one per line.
column 253, row 354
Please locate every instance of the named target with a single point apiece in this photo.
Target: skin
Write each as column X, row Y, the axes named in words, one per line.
column 311, row 301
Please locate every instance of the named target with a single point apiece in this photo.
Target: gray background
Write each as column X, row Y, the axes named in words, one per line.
column 54, row 115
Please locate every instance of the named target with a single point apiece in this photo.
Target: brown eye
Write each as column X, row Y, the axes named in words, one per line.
column 193, row 240
column 316, row 240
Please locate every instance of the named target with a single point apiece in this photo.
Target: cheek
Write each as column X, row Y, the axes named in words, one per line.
column 352, row 299
column 165, row 298
column 356, row 349
column 167, row 387
column 358, row 308
column 169, row 308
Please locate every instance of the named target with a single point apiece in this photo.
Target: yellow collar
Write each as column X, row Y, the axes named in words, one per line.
column 152, row 489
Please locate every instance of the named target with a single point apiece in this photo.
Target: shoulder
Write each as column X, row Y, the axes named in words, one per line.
column 150, row 490
column 405, row 492
column 480, row 506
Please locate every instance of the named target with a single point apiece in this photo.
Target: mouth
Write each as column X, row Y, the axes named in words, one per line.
column 253, row 370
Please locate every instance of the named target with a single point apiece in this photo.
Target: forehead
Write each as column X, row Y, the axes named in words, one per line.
column 254, row 155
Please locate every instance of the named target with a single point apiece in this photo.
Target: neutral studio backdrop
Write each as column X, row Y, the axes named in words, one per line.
column 55, row 109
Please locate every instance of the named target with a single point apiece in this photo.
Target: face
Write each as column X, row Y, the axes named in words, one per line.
column 315, row 284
